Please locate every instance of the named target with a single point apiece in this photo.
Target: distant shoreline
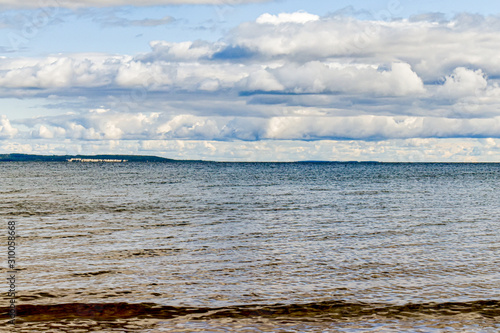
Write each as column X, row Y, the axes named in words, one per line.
column 113, row 158
column 82, row 158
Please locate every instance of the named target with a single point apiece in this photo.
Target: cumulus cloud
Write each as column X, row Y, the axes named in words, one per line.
column 6, row 129
column 379, row 127
column 297, row 17
column 311, row 55
column 58, row 72
column 94, row 125
column 114, row 126
column 432, row 48
column 290, row 76
column 409, row 150
column 81, row 72
column 320, row 77
column 464, row 82
column 184, row 51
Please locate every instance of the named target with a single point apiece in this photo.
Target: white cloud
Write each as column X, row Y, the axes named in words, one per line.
column 130, row 126
column 6, row 129
column 209, row 85
column 379, row 127
column 297, row 17
column 431, row 48
column 63, row 73
column 319, row 77
column 98, row 110
column 183, row 51
column 112, row 3
column 261, row 80
column 57, row 71
column 410, row 150
column 311, row 77
column 135, row 73
column 464, row 82
column 282, row 78
column 44, row 132
column 327, row 55
column 93, row 126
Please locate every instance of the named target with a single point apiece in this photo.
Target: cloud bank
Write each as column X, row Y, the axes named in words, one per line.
column 291, row 77
column 114, row 3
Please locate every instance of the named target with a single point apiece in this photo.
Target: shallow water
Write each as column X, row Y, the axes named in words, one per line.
column 309, row 247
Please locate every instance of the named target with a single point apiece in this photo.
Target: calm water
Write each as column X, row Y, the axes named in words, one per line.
column 265, row 247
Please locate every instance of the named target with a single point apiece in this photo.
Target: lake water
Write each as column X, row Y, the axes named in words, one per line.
column 254, row 247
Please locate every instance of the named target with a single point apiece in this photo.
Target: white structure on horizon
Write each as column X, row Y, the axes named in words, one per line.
column 94, row 160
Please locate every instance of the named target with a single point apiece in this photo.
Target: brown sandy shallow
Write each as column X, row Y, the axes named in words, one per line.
column 129, row 317
column 79, row 325
column 263, row 325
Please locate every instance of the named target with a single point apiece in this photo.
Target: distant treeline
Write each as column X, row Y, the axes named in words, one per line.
column 124, row 158
column 65, row 158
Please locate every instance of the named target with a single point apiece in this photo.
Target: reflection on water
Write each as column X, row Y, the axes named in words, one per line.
column 404, row 245
column 340, row 315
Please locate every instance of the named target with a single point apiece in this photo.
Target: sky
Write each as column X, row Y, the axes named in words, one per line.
column 243, row 80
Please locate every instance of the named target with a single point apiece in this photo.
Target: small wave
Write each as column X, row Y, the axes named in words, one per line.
column 87, row 274
column 331, row 310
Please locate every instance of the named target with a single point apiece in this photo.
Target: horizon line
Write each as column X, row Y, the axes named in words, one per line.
column 168, row 159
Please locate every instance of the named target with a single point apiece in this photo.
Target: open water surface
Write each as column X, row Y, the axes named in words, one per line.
column 254, row 247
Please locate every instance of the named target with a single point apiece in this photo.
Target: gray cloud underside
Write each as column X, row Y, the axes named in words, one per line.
column 114, row 20
column 113, row 126
column 288, row 77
